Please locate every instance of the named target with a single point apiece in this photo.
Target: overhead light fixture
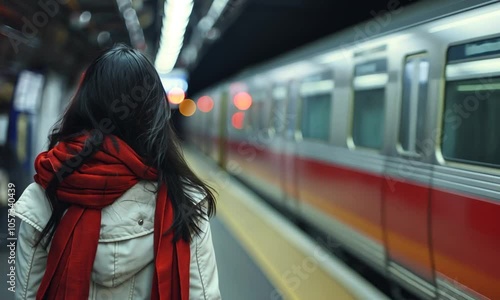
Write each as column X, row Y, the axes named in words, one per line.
column 177, row 13
column 129, row 14
column 85, row 18
column 205, row 31
column 132, row 23
column 103, row 37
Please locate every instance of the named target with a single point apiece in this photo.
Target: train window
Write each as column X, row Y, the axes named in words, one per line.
column 316, row 95
column 259, row 111
column 414, row 100
column 471, row 127
column 471, row 124
column 369, row 104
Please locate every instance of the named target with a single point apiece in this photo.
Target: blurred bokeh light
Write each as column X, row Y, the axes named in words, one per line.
column 242, row 100
column 187, row 107
column 176, row 95
column 205, row 104
column 237, row 120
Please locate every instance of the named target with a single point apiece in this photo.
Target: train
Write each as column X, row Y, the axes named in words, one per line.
column 385, row 135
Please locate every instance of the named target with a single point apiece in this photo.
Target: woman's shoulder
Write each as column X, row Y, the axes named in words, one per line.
column 33, row 206
column 132, row 214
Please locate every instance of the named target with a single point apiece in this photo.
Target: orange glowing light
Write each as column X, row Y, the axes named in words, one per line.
column 242, row 100
column 205, row 104
column 176, row 95
column 237, row 120
column 187, row 107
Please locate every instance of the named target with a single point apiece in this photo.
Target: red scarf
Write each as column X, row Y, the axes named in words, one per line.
column 96, row 184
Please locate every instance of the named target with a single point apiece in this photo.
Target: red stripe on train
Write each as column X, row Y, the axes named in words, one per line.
column 464, row 237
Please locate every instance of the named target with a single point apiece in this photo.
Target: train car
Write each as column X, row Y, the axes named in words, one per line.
column 385, row 136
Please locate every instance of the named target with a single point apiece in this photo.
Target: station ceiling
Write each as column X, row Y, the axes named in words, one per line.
column 64, row 35
column 246, row 32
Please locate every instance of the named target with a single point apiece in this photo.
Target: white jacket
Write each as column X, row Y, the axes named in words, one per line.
column 123, row 267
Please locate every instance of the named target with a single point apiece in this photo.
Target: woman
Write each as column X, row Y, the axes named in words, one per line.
column 115, row 212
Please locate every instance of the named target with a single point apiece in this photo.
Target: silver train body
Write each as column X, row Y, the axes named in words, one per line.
column 399, row 116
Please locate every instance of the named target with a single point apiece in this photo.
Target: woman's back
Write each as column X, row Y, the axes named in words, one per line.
column 123, row 267
column 115, row 210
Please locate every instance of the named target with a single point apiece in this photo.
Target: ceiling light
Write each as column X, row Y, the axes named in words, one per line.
column 177, row 13
column 103, row 37
column 85, row 18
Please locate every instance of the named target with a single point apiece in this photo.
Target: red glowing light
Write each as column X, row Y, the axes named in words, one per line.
column 237, row 120
column 242, row 100
column 205, row 104
column 176, row 95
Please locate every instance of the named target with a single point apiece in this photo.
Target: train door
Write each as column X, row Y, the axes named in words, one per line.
column 277, row 127
column 289, row 146
column 465, row 195
column 358, row 172
column 274, row 137
column 407, row 182
column 313, row 146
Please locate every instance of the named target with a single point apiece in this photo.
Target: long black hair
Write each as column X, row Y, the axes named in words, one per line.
column 121, row 94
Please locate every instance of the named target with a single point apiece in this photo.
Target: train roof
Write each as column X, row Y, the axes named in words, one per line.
column 395, row 21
